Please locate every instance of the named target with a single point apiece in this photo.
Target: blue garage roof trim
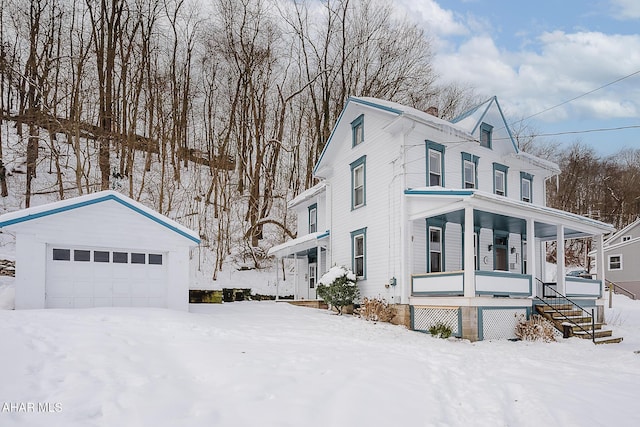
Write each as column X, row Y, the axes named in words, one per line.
column 41, row 212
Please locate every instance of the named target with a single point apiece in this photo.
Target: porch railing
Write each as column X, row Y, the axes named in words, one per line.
column 619, row 289
column 554, row 298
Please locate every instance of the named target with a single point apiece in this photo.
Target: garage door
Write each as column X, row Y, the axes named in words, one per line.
column 99, row 277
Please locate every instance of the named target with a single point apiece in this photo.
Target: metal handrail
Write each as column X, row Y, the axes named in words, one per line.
column 621, row 288
column 559, row 297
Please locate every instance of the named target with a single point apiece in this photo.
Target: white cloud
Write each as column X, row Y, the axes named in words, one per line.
column 626, row 9
column 430, row 15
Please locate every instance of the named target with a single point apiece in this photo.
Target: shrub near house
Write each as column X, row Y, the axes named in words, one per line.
column 338, row 287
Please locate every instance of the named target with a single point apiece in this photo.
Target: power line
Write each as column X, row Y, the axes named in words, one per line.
column 580, row 96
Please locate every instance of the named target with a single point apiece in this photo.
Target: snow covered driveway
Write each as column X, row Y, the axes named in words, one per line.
column 273, row 364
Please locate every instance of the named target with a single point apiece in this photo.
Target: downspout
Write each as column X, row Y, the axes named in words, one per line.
column 405, row 241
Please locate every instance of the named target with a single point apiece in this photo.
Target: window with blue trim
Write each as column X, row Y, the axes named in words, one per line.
column 357, row 131
column 435, row 164
column 313, row 218
column 358, row 183
column 500, row 179
column 526, row 187
column 469, row 171
column 359, row 253
column 435, row 245
column 486, row 133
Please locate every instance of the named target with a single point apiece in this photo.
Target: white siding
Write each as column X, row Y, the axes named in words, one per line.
column 453, row 247
column 486, row 257
column 419, row 239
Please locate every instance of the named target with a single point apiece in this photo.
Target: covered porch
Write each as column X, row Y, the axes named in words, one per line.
column 306, row 258
column 470, row 248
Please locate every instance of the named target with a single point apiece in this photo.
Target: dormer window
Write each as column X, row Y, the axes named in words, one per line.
column 357, row 131
column 486, row 132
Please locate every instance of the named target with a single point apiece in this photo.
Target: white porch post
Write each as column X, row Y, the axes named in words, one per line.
column 278, row 261
column 295, row 275
column 603, row 262
column 531, row 256
column 469, row 275
column 560, row 259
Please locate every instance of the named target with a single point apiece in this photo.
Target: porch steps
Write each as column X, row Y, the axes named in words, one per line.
column 581, row 326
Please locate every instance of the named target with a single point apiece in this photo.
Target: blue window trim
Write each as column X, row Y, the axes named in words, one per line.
column 354, row 234
column 497, row 167
column 430, row 145
column 361, row 161
column 485, row 127
column 470, row 158
column 312, row 207
column 528, row 177
column 442, row 225
column 359, row 121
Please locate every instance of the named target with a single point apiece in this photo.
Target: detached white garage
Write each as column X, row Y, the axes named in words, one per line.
column 99, row 250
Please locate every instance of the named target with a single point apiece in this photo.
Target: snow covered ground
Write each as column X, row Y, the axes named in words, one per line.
column 273, row 364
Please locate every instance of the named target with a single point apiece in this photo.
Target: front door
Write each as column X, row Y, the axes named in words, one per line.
column 312, row 280
column 500, row 250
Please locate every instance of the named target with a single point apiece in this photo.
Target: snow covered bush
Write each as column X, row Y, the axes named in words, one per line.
column 338, row 287
column 534, row 329
column 377, row 310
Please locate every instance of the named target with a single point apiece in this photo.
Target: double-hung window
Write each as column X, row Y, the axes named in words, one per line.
column 313, row 218
column 359, row 252
column 526, row 181
column 500, row 179
column 615, row 262
column 435, row 164
column 486, row 133
column 357, row 131
column 435, row 249
column 469, row 171
column 358, row 183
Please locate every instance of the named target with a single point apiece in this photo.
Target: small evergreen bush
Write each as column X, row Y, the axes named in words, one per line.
column 440, row 330
column 338, row 288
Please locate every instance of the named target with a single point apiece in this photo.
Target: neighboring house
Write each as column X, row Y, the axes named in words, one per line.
column 447, row 218
column 101, row 249
column 621, row 256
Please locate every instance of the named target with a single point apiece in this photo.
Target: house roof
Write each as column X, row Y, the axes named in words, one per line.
column 307, row 194
column 36, row 212
column 462, row 127
column 622, row 231
column 299, row 244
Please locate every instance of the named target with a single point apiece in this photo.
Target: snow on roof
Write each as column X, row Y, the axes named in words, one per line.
column 36, row 212
column 307, row 194
column 301, row 243
column 537, row 161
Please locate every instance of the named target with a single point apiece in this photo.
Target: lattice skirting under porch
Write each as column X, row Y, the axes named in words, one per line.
column 426, row 317
column 499, row 323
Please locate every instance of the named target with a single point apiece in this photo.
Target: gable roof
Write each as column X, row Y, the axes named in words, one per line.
column 36, row 212
column 622, row 232
column 472, row 119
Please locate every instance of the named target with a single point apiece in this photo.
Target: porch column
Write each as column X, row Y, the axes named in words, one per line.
column 469, row 276
column 603, row 263
column 560, row 259
column 531, row 256
column 295, row 275
column 278, row 261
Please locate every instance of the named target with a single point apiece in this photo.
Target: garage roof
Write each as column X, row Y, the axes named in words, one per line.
column 54, row 208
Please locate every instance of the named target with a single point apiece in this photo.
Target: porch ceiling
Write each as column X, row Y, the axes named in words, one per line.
column 301, row 245
column 500, row 213
column 494, row 221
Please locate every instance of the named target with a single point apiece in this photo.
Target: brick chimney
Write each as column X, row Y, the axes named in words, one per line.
column 433, row 111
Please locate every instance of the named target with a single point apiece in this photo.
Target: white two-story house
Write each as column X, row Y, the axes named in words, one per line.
column 447, row 218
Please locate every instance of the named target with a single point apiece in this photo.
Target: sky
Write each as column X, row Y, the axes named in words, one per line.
column 537, row 55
